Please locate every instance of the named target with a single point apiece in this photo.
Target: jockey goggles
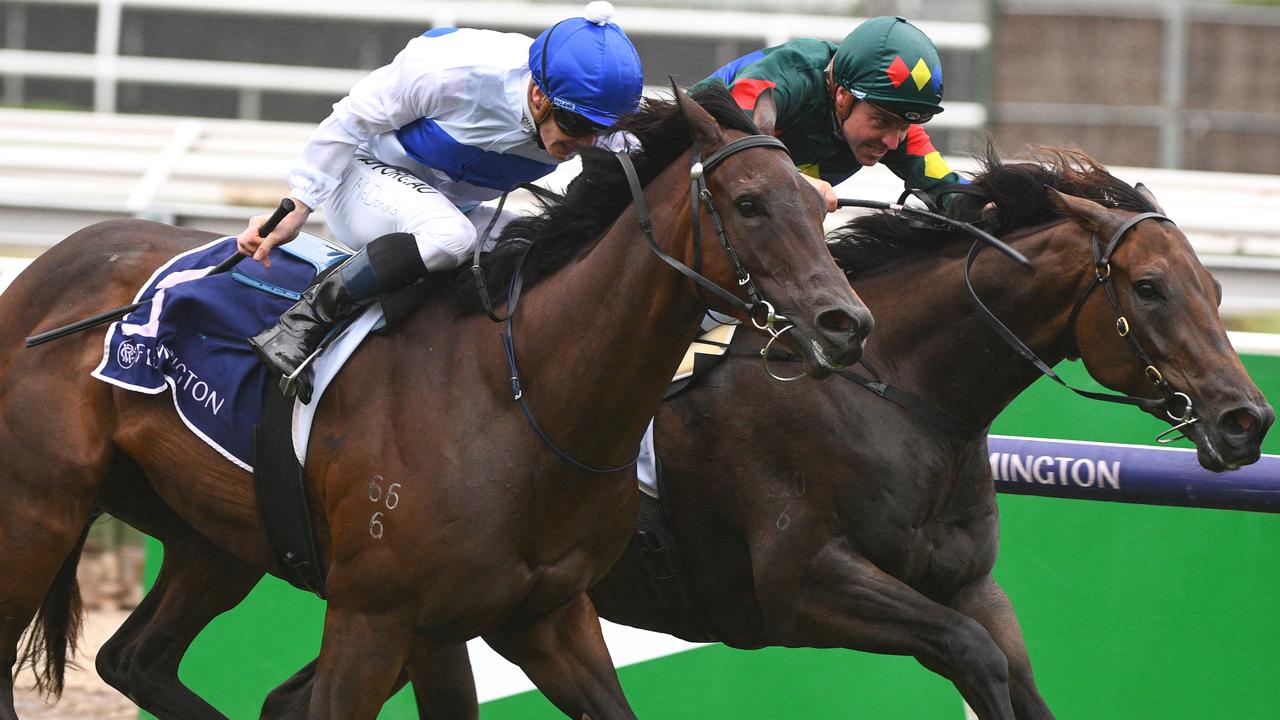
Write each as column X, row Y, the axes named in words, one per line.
column 573, row 124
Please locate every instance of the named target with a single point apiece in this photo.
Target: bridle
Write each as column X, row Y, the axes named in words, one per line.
column 1177, row 405
column 699, row 193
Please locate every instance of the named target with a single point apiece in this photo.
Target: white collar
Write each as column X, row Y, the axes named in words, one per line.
column 526, row 118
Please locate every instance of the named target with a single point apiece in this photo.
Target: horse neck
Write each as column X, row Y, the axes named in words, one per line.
column 599, row 342
column 938, row 347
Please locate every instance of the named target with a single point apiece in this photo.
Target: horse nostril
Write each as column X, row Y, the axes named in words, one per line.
column 836, row 321
column 1238, row 423
column 842, row 327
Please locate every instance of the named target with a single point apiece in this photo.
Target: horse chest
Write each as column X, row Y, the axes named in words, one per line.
column 939, row 536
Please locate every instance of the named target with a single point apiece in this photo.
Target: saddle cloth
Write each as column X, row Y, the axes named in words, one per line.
column 714, row 341
column 190, row 336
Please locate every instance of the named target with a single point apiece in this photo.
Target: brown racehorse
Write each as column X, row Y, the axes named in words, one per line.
column 492, row 533
column 868, row 527
column 819, row 515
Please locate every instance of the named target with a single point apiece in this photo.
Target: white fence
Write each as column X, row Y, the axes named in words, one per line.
column 107, row 67
column 60, row 171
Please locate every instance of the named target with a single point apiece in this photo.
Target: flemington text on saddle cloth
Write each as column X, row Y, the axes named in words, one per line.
column 191, row 336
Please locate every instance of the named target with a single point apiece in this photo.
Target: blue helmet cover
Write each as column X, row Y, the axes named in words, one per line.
column 591, row 68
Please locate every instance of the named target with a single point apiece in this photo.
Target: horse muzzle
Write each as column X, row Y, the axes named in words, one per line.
column 836, row 340
column 1234, row 438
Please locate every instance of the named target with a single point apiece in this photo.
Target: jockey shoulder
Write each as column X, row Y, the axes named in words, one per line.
column 406, row 160
column 864, row 101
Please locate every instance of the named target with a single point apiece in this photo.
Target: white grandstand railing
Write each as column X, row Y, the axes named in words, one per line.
column 107, row 67
column 60, row 171
column 775, row 27
column 217, row 168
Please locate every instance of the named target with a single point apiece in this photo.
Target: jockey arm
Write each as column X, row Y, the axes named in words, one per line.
column 384, row 100
column 919, row 164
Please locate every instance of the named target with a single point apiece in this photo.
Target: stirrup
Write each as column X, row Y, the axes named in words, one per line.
column 297, row 383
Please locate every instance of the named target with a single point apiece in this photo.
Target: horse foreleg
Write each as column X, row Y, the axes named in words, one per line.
column 564, row 654
column 985, row 602
column 197, row 582
column 841, row 599
column 443, row 688
column 360, row 660
column 443, row 685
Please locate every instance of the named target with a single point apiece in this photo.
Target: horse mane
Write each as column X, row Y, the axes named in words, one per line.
column 563, row 228
column 872, row 243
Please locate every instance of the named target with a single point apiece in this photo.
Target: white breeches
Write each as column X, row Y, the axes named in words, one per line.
column 374, row 199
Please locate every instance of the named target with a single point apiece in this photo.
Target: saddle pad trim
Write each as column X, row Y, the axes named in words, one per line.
column 710, row 342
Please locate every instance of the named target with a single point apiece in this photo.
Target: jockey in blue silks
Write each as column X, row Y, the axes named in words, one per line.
column 458, row 117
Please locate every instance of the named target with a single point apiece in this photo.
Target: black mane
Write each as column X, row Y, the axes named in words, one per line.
column 595, row 198
column 874, row 242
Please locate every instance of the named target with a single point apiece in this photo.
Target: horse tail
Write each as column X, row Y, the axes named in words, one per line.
column 56, row 628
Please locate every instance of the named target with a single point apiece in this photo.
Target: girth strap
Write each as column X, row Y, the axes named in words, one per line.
column 658, row 556
column 281, row 492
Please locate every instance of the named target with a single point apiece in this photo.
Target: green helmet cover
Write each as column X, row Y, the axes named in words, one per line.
column 891, row 63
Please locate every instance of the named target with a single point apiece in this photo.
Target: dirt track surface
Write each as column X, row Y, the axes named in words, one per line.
column 86, row 696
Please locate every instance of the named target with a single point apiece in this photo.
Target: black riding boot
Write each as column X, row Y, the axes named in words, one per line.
column 387, row 264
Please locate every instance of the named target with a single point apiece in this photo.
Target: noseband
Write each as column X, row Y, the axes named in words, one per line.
column 1102, row 276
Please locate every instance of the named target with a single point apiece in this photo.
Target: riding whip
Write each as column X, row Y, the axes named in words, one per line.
column 286, row 206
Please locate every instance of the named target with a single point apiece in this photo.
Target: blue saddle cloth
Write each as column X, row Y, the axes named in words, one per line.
column 191, row 337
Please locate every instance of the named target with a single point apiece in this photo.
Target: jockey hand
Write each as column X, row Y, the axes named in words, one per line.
column 249, row 243
column 824, row 189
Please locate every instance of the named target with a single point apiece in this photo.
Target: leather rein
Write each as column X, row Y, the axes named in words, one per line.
column 1177, row 405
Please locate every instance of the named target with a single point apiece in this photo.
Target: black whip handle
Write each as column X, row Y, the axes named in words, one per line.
column 286, row 206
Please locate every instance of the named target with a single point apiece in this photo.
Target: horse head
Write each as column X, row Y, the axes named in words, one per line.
column 755, row 199
column 1154, row 331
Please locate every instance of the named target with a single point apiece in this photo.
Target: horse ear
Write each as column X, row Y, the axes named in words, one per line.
column 1145, row 192
column 1086, row 212
column 705, row 128
column 765, row 114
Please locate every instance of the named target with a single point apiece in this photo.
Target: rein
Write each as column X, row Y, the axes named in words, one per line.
column 697, row 173
column 1102, row 276
column 513, row 295
column 700, row 192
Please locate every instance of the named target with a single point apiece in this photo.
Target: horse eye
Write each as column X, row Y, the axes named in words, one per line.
column 1146, row 290
column 749, row 207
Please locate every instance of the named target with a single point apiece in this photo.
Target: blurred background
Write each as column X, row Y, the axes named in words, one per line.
column 191, row 111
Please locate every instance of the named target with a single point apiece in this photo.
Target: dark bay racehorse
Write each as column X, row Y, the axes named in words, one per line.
column 819, row 515
column 824, row 516
column 491, row 532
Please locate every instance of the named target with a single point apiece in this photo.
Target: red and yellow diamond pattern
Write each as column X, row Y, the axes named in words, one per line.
column 898, row 72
